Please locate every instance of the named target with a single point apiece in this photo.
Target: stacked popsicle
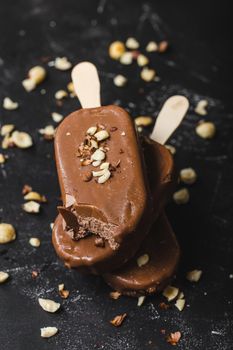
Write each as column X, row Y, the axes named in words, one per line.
column 114, row 188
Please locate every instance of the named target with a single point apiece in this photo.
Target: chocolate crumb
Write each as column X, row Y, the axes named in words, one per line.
column 174, row 338
column 26, row 189
column 115, row 295
column 164, row 306
column 113, row 128
column 118, row 320
column 99, row 242
column 121, row 151
column 87, row 176
column 35, row 274
column 163, row 46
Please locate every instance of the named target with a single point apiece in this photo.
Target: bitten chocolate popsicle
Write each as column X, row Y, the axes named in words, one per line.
column 153, row 266
column 84, row 253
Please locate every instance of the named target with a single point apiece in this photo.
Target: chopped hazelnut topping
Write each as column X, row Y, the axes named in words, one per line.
column 143, row 260
column 119, row 80
column 62, row 63
column 117, row 321
column 31, row 207
column 148, row 74
column 103, row 178
column 116, row 49
column 181, row 196
column 194, row 275
column 98, row 155
column 49, row 305
column 152, row 46
column 206, row 130
column 99, row 242
column 143, row 121
column 3, row 276
column 92, row 130
column 188, row 176
column 170, row 292
column 48, row 332
column 132, row 43
column 174, row 338
column 115, row 295
column 35, row 242
column 9, row 104
column 7, row 233
column 102, row 135
column 201, row 107
column 126, row 58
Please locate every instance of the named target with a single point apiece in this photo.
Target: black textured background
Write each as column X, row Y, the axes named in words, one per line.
column 198, row 65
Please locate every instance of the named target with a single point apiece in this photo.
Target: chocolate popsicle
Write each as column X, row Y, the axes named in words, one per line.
column 83, row 253
column 163, row 254
column 111, row 200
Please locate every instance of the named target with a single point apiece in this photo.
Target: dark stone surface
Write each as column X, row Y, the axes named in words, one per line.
column 199, row 65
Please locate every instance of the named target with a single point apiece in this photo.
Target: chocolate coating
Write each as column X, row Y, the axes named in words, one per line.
column 123, row 203
column 164, row 252
column 84, row 254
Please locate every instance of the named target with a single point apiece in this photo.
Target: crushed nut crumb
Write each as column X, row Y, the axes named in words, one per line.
column 126, row 58
column 118, row 320
column 194, row 275
column 132, row 43
column 174, row 338
column 31, row 207
column 180, row 303
column 7, row 233
column 9, row 105
column 3, row 277
column 141, row 300
column 49, row 305
column 181, row 196
column 115, row 295
column 201, row 107
column 152, row 46
column 47, row 332
column 206, row 130
column 170, row 293
column 143, row 121
column 119, row 80
column 57, row 117
column 60, row 94
column 116, row 50
column 21, row 139
column 62, row 63
column 188, row 176
column 35, row 242
column 148, row 74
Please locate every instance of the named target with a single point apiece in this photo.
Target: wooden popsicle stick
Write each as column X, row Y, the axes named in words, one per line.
column 86, row 84
column 169, row 118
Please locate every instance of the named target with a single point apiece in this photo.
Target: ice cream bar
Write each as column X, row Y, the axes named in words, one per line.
column 102, row 177
column 160, row 252
column 89, row 253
